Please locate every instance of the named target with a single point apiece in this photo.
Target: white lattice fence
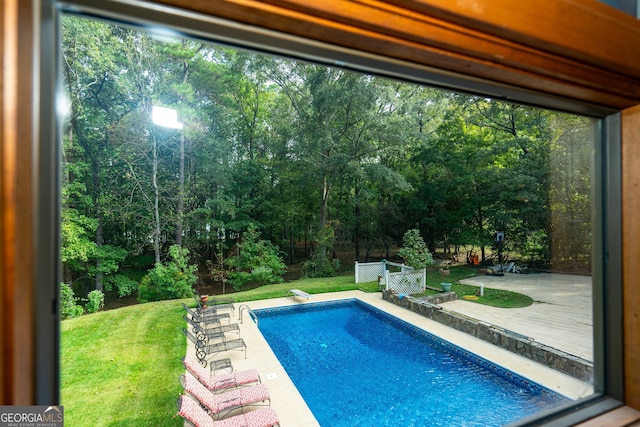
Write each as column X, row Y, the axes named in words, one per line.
column 407, row 282
column 402, row 267
column 369, row 271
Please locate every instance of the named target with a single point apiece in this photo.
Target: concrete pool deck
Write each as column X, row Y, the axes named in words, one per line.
column 560, row 317
column 290, row 406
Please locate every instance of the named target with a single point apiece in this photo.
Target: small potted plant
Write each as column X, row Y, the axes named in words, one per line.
column 203, row 300
column 444, row 275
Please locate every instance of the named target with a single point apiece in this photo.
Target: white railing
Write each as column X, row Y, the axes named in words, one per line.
column 369, row 271
column 406, row 281
column 402, row 267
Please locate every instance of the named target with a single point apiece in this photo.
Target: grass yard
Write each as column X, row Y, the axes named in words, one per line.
column 312, row 286
column 492, row 297
column 121, row 367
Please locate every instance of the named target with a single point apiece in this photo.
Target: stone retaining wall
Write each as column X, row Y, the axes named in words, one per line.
column 569, row 364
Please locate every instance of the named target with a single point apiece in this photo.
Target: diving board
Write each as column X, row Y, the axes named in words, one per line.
column 298, row 293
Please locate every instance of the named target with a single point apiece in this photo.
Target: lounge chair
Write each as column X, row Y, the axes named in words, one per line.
column 203, row 329
column 206, row 339
column 212, row 306
column 207, row 316
column 214, row 299
column 204, row 350
column 193, row 413
column 219, row 404
column 221, row 382
column 201, row 352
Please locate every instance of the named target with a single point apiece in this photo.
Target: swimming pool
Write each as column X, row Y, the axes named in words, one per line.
column 356, row 365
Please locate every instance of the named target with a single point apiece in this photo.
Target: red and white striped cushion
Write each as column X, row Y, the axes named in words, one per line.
column 191, row 411
column 254, row 394
column 240, row 397
column 222, row 381
column 234, row 379
column 193, row 366
column 247, row 376
column 230, row 399
column 263, row 417
column 208, row 399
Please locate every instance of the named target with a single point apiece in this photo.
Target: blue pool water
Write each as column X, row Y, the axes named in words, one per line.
column 355, row 365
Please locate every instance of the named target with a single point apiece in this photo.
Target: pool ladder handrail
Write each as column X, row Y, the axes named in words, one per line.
column 252, row 315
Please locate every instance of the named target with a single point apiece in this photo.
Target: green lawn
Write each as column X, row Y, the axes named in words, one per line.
column 312, row 286
column 121, row 367
column 492, row 297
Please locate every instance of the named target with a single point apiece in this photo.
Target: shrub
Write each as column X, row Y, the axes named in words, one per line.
column 320, row 265
column 258, row 261
column 148, row 291
column 123, row 284
column 173, row 279
column 68, row 306
column 414, row 251
column 95, row 301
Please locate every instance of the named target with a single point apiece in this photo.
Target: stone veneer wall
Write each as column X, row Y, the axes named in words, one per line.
column 569, row 364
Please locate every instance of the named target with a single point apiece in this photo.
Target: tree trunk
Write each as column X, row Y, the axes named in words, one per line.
column 322, row 247
column 180, row 209
column 324, row 203
column 156, row 195
column 99, row 227
column 292, row 244
column 356, row 228
column 480, row 221
column 99, row 243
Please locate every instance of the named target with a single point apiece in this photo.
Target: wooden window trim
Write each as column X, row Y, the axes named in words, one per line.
column 16, row 205
column 631, row 252
column 529, row 45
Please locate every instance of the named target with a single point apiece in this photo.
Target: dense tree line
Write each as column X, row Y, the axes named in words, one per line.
column 303, row 153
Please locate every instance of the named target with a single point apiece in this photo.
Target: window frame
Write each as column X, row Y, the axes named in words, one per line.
column 608, row 309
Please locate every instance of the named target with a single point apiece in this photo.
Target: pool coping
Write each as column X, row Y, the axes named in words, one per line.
column 291, row 407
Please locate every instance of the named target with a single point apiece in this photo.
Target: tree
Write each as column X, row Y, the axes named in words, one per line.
column 96, row 106
column 568, row 230
column 172, row 279
column 321, row 264
column 414, row 251
column 339, row 160
column 258, row 261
